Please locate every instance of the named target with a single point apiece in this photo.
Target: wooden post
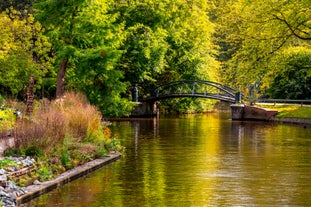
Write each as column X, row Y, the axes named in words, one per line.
column 30, row 97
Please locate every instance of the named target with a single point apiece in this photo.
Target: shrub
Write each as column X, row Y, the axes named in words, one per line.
column 7, row 119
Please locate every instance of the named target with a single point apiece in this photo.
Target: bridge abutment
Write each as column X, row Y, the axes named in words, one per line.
column 246, row 112
column 145, row 109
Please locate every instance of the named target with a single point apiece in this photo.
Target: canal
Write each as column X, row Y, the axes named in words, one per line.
column 198, row 160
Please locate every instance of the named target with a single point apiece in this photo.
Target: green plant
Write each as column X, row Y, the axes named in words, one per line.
column 12, row 152
column 32, row 151
column 101, row 151
column 7, row 119
column 44, row 172
column 115, row 145
column 2, row 100
column 7, row 162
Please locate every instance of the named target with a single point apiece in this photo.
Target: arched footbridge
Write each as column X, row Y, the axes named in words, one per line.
column 190, row 88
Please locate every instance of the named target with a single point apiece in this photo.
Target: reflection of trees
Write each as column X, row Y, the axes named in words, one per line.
column 266, row 160
column 202, row 160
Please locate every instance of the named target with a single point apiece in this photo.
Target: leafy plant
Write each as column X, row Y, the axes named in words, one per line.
column 44, row 171
column 7, row 119
column 33, row 151
column 23, row 51
column 7, row 162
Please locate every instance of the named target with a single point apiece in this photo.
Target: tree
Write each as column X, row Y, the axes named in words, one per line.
column 24, row 51
column 291, row 76
column 23, row 6
column 86, row 40
column 261, row 29
column 166, row 41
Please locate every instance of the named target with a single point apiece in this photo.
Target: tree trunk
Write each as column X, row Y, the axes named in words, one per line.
column 61, row 79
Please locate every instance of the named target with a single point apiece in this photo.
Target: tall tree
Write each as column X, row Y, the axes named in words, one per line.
column 86, row 40
column 24, row 51
column 167, row 40
column 256, row 31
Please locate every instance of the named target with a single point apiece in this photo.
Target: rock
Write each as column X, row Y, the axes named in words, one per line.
column 37, row 182
column 9, row 191
column 2, row 172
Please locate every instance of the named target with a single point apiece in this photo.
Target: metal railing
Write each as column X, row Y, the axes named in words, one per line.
column 286, row 101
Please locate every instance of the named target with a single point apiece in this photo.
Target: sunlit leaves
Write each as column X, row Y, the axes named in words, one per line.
column 258, row 31
column 290, row 77
column 87, row 35
column 23, row 51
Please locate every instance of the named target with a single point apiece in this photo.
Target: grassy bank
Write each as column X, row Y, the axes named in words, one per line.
column 289, row 111
column 59, row 135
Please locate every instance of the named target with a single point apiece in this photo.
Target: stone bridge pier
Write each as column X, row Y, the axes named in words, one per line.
column 146, row 109
column 246, row 112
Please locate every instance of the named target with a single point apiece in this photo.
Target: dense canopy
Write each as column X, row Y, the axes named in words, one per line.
column 103, row 48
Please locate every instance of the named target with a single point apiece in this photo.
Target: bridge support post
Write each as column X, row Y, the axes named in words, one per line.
column 237, row 112
column 135, row 93
column 238, row 97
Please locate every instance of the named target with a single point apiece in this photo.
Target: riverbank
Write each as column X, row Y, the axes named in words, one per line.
column 289, row 113
column 35, row 190
column 299, row 121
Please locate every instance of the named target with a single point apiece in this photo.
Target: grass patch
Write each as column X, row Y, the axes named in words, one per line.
column 289, row 111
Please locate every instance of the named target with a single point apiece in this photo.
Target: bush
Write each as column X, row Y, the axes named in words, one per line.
column 7, row 119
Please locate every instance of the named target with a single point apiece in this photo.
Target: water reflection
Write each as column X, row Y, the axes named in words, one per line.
column 202, row 160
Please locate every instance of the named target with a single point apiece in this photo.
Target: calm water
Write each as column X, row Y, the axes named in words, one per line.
column 198, row 160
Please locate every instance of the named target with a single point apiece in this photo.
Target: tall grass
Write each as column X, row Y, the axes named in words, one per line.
column 70, row 126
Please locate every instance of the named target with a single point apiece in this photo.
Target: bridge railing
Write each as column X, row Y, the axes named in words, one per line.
column 286, row 101
column 193, row 87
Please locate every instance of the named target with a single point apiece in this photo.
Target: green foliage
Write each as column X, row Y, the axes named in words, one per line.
column 290, row 76
column 252, row 33
column 110, row 45
column 23, row 52
column 87, row 36
column 101, row 151
column 166, row 41
column 5, row 162
column 2, row 101
column 189, row 105
column 33, row 151
column 44, row 171
column 22, row 6
column 115, row 145
column 7, row 119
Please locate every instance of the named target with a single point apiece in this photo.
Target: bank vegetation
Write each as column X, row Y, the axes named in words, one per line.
column 290, row 110
column 59, row 135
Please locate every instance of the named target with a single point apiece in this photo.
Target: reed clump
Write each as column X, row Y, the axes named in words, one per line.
column 63, row 134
